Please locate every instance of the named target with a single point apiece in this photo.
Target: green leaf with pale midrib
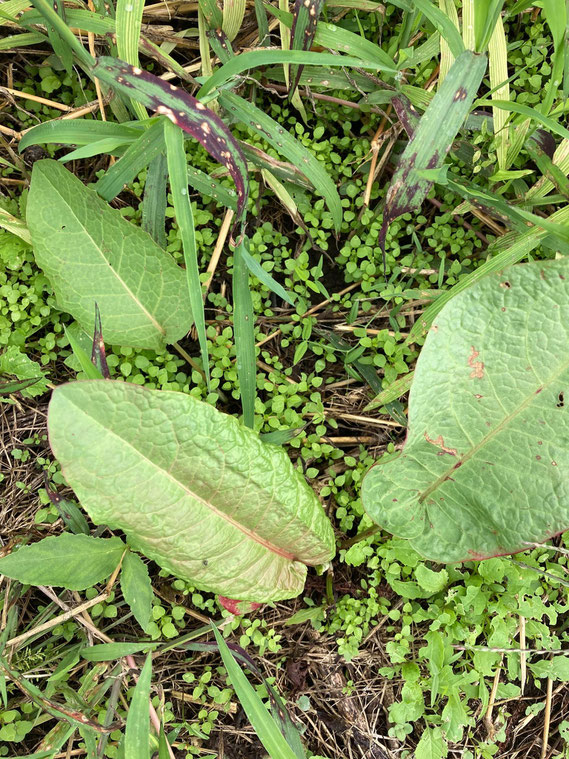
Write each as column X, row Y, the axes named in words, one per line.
column 482, row 469
column 192, row 488
column 70, row 561
column 91, row 254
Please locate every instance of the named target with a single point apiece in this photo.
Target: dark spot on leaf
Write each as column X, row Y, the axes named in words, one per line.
column 461, row 94
column 560, row 400
column 506, row 284
column 554, row 463
column 538, row 458
column 205, row 562
column 538, row 391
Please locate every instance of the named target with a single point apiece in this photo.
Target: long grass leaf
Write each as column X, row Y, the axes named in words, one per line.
column 211, row 188
column 128, row 25
column 244, row 330
column 257, row 713
column 468, row 24
column 448, row 7
column 185, row 112
column 262, row 57
column 15, row 226
column 514, row 251
column 392, row 393
column 285, row 144
column 544, row 186
column 26, row 39
column 556, row 15
column 305, row 18
column 233, row 14
column 137, row 156
column 176, row 156
column 486, row 14
column 530, row 113
column 79, row 132
column 498, row 70
column 155, row 201
column 137, row 731
column 263, row 276
column 87, row 367
column 433, row 138
column 53, row 20
column 442, row 24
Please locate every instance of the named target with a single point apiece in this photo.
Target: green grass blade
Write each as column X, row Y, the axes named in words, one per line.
column 128, row 26
column 137, row 731
column 79, row 132
column 137, row 156
column 185, row 112
column 498, row 69
column 550, row 170
column 305, row 18
column 263, row 276
column 244, row 331
column 177, row 161
column 448, row 7
column 15, row 226
column 211, row 188
column 108, row 145
column 52, row 19
column 443, row 24
column 288, row 146
column 233, row 13
column 392, row 393
column 87, row 367
column 155, row 199
column 556, row 15
column 468, row 24
column 544, row 186
column 257, row 713
column 486, row 14
column 262, row 57
column 530, row 113
column 433, row 138
column 26, row 39
column 514, row 251
column 262, row 23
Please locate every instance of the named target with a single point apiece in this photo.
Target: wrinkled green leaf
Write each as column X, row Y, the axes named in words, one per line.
column 69, row 561
column 91, row 254
column 192, row 488
column 432, row 745
column 483, row 467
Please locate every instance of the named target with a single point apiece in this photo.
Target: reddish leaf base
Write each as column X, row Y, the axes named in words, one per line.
column 238, row 607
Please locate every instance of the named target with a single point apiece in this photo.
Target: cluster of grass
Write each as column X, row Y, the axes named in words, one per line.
column 446, row 635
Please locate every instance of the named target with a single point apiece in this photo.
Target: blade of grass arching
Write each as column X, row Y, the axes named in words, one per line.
column 137, row 156
column 433, row 138
column 21, row 40
column 514, row 251
column 443, row 24
column 137, row 730
column 305, row 18
column 233, row 13
column 544, row 186
column 207, row 68
column 220, row 44
column 337, row 38
column 260, row 718
column 155, row 199
column 555, row 12
column 11, row 9
column 60, row 47
column 530, row 113
column 498, row 69
column 244, row 332
column 285, row 144
column 79, row 132
column 163, row 752
column 53, row 20
column 110, row 145
column 177, row 161
column 448, row 7
column 263, row 276
column 283, row 196
column 128, row 25
column 262, row 57
column 185, row 112
column 209, row 187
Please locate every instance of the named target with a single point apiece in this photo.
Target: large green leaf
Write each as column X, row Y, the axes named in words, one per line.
column 483, row 470
column 91, row 254
column 191, row 487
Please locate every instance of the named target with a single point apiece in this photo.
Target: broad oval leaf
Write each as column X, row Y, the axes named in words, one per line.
column 483, row 470
column 191, row 487
column 91, row 254
column 69, row 561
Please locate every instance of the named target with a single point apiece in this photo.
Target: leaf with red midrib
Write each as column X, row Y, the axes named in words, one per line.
column 183, row 110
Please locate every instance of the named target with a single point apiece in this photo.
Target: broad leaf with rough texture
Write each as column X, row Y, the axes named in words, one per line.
column 91, row 254
column 192, row 488
column 483, row 470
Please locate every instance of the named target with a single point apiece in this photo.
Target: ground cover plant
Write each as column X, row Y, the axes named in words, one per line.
column 266, row 211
